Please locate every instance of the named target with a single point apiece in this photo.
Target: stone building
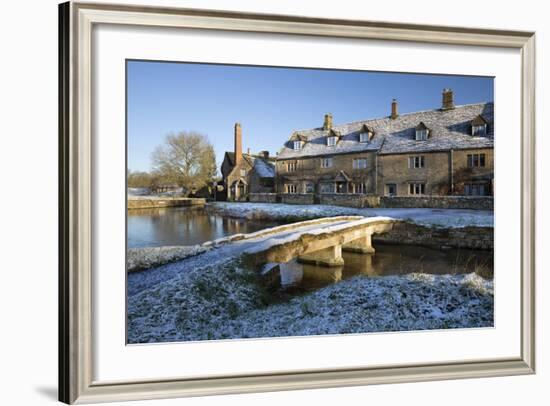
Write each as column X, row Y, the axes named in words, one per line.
column 446, row 151
column 245, row 173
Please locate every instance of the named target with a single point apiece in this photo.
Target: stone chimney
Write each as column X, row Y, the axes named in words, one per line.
column 265, row 154
column 238, row 144
column 394, row 112
column 327, row 125
column 248, row 151
column 447, row 102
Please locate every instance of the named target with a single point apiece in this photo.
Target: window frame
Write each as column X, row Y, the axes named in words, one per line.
column 417, row 188
column 422, row 134
column 332, row 141
column 327, row 159
column 355, row 163
column 417, row 161
column 297, row 143
column 483, row 128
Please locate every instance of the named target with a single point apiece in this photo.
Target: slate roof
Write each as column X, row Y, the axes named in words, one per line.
column 449, row 129
column 265, row 168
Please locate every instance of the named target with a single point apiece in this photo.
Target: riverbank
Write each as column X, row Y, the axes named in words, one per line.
column 227, row 300
column 445, row 218
column 156, row 202
column 144, row 258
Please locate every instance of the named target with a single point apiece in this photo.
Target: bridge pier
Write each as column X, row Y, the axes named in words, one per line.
column 331, row 256
column 362, row 245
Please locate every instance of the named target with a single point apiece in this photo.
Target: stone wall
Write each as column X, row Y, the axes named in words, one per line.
column 263, row 197
column 297, row 198
column 349, row 200
column 160, row 202
column 439, row 202
column 440, row 238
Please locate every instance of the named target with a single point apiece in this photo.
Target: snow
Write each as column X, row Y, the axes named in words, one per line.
column 144, row 258
column 450, row 218
column 264, row 169
column 226, row 301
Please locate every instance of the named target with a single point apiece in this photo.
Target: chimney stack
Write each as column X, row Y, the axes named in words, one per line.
column 265, row 154
column 327, row 125
column 448, row 102
column 394, row 112
column 248, row 151
column 238, row 144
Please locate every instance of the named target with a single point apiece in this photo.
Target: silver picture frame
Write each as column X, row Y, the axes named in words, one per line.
column 76, row 21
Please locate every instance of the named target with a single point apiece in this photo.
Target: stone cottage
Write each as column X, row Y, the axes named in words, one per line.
column 445, row 151
column 246, row 173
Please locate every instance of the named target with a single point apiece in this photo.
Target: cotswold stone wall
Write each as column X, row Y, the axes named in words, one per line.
column 297, row 198
column 160, row 202
column 466, row 237
column 350, row 200
column 263, row 197
column 439, row 202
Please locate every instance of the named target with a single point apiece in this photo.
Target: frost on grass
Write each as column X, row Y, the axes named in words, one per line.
column 228, row 302
column 290, row 213
column 144, row 258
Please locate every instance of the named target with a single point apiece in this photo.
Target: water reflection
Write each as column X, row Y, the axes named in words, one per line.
column 183, row 226
column 388, row 260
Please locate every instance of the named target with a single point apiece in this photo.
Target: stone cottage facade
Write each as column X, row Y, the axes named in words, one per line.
column 246, row 173
column 440, row 152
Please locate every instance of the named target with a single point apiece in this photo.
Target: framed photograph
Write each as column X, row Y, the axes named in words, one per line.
column 255, row 202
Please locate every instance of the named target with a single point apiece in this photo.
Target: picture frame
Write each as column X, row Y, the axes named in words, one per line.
column 76, row 213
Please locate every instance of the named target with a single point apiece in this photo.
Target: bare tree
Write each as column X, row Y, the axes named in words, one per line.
column 186, row 159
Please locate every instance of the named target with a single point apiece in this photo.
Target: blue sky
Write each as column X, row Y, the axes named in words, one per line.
column 166, row 97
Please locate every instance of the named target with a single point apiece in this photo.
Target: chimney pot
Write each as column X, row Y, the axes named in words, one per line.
column 447, row 102
column 327, row 125
column 394, row 110
column 238, row 144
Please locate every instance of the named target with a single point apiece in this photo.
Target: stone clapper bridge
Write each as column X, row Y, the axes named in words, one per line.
column 318, row 241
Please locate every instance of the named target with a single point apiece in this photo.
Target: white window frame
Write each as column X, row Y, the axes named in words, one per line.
column 291, row 188
column 326, row 162
column 364, row 136
column 479, row 130
column 417, row 188
column 360, row 188
column 474, row 160
column 297, row 145
column 422, row 135
column 417, row 162
column 291, row 166
column 331, row 141
column 360, row 163
column 243, row 172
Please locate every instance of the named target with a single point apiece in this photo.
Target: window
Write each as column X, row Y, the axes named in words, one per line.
column 364, row 137
column 476, row 160
column 297, row 145
column 391, row 189
column 360, row 163
column 331, row 141
column 359, row 188
column 243, row 172
column 309, row 187
column 422, row 135
column 291, row 188
column 479, row 130
column 291, row 166
column 416, row 161
column 417, row 188
column 474, row 189
column 327, row 188
column 326, row 162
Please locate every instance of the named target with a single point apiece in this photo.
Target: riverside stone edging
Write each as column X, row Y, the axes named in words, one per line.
column 160, row 202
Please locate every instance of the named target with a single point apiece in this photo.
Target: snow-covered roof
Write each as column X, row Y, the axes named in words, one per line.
column 264, row 168
column 449, row 129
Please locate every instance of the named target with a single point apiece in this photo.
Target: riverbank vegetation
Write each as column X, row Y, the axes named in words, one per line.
column 229, row 302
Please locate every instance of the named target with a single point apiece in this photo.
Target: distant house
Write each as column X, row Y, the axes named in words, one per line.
column 445, row 151
column 247, row 173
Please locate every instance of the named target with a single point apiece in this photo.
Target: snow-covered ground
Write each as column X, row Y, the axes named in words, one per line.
column 221, row 302
column 426, row 217
column 148, row 257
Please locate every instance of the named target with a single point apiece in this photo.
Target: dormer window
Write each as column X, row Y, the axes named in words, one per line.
column 479, row 130
column 297, row 145
column 366, row 133
column 331, row 141
column 479, row 126
column 422, row 132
